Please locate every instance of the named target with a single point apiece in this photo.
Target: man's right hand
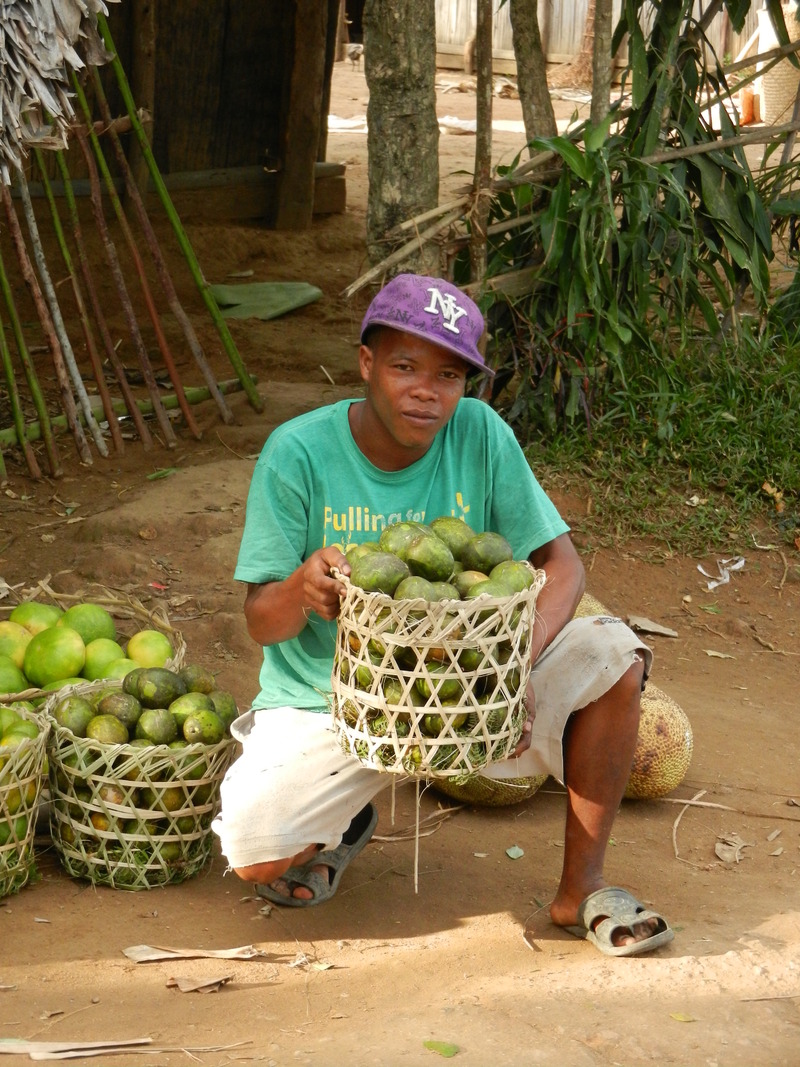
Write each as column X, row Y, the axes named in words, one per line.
column 321, row 591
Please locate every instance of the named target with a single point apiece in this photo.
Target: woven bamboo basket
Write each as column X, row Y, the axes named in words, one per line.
column 22, row 773
column 432, row 690
column 129, row 614
column 128, row 817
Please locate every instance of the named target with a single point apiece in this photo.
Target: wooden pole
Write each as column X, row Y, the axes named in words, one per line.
column 158, row 259
column 29, row 275
column 122, row 219
column 188, row 252
column 97, row 307
column 88, row 336
column 55, row 314
column 122, row 289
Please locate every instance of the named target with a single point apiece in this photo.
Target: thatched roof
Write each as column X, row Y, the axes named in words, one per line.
column 40, row 40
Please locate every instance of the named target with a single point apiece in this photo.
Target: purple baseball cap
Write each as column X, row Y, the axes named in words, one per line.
column 431, row 308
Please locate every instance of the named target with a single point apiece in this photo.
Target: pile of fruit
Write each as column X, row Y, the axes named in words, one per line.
column 135, row 769
column 22, row 767
column 43, row 646
column 432, row 655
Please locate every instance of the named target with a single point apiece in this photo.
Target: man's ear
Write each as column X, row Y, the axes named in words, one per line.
column 365, row 361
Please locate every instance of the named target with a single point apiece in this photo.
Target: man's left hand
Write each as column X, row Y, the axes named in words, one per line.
column 524, row 742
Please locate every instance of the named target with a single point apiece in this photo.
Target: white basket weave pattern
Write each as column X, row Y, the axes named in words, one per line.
column 432, row 690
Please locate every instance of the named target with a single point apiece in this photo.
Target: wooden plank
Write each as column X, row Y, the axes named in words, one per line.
column 301, row 134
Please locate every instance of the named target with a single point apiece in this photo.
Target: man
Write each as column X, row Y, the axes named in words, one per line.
column 295, row 809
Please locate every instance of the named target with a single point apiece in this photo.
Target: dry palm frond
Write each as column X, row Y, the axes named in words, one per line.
column 40, row 42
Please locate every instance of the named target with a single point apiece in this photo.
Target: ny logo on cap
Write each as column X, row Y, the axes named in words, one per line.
column 445, row 304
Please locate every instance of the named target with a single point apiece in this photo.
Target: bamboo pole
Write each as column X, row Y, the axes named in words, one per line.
column 195, row 394
column 122, row 219
column 97, row 307
column 55, row 314
column 67, row 399
column 14, row 400
column 164, row 277
column 91, row 348
column 163, row 194
column 122, row 289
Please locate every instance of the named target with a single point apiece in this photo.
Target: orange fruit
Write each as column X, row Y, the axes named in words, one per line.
column 149, row 648
column 13, row 639
column 35, row 616
column 100, row 654
column 12, row 680
column 90, row 621
column 58, row 652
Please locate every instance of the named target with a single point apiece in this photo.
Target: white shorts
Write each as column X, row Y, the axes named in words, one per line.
column 293, row 785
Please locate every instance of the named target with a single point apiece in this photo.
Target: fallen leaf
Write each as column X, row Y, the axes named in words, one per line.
column 773, row 835
column 681, row 1017
column 729, row 847
column 162, row 472
column 515, row 852
column 647, row 626
column 480, row 855
column 718, row 655
column 777, row 852
column 205, row 985
column 149, row 953
column 442, row 1047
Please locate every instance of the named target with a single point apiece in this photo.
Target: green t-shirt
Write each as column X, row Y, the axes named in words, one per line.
column 313, row 487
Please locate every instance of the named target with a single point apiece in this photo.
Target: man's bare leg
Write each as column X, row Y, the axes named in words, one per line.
column 598, row 751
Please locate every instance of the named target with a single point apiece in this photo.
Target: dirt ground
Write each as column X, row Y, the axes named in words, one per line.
column 468, row 956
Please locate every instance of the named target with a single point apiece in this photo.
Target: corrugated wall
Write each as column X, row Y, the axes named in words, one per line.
column 561, row 25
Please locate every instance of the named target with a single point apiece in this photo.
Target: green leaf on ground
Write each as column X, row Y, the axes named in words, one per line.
column 263, row 300
column 442, row 1047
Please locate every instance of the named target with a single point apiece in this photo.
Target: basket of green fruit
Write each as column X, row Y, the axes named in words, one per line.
column 432, row 653
column 23, row 755
column 135, row 770
column 51, row 640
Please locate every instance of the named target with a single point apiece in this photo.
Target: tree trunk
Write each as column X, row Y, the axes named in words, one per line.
column 483, row 141
column 602, row 61
column 537, row 107
column 403, row 137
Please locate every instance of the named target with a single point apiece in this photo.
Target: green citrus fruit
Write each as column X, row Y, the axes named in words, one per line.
column 378, row 572
column 157, row 725
column 397, row 537
column 189, row 703
column 125, row 707
column 13, row 829
column 198, row 679
column 149, row 648
column 12, row 680
column 35, row 616
column 485, row 551
column 90, row 621
column 74, row 713
column 513, row 573
column 120, row 668
column 155, row 687
column 464, row 580
column 13, row 640
column 101, row 653
column 205, row 727
column 354, row 551
column 415, row 587
column 25, row 728
column 225, row 706
column 430, row 557
column 8, row 716
column 108, row 729
column 454, row 532
column 58, row 652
